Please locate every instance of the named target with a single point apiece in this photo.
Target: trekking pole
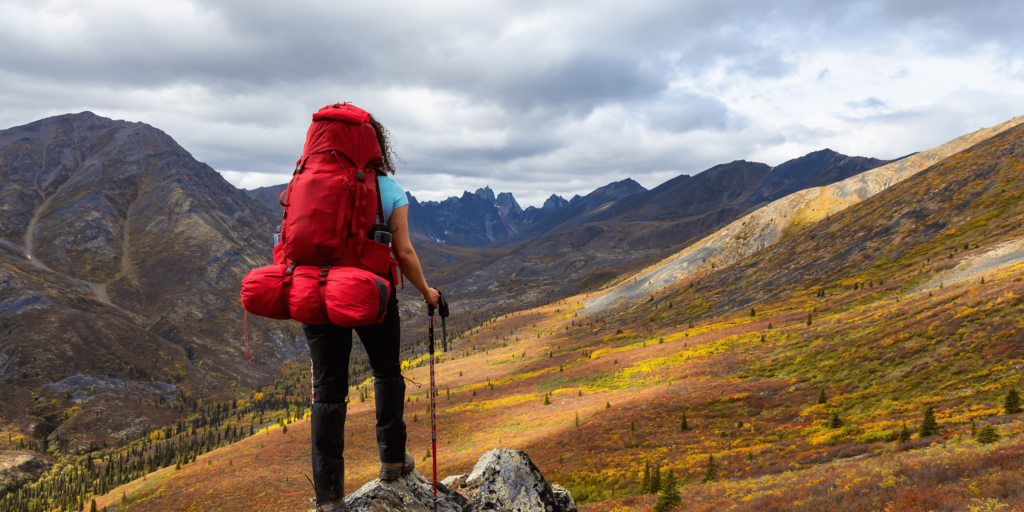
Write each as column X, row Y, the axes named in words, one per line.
column 442, row 306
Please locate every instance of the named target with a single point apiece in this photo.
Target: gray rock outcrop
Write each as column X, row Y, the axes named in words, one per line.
column 20, row 467
column 410, row 493
column 501, row 481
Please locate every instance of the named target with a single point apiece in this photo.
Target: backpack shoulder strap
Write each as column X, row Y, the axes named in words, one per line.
column 380, row 203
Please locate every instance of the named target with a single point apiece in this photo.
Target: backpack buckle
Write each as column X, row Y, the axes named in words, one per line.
column 359, row 175
column 291, row 268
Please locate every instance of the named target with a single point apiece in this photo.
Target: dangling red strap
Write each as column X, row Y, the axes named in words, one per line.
column 246, row 335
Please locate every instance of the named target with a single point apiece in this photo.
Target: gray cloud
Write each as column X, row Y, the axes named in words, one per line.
column 871, row 102
column 531, row 97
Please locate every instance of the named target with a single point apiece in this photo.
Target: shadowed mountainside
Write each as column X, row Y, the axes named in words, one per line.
column 815, row 169
column 576, row 211
column 270, row 198
column 125, row 255
column 781, row 218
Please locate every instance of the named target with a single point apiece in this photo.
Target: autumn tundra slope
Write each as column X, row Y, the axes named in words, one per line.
column 812, row 375
column 782, row 217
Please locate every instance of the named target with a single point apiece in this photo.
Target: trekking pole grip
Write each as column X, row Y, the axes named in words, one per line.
column 430, row 309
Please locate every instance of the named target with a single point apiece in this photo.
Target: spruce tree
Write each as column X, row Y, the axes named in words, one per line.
column 821, row 397
column 987, row 435
column 632, row 426
column 92, row 508
column 655, row 481
column 645, row 484
column 835, row 422
column 929, row 427
column 808, row 319
column 753, row 312
column 668, row 498
column 711, row 474
column 904, row 435
column 683, row 426
column 1012, row 402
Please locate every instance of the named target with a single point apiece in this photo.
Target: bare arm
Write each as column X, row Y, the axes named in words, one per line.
column 407, row 260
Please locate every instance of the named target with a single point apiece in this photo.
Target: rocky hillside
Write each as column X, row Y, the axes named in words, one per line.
column 120, row 263
column 270, row 198
column 782, row 218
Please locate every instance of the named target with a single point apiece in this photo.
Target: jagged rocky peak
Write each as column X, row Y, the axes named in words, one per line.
column 554, row 202
column 508, row 205
column 502, row 480
column 486, row 194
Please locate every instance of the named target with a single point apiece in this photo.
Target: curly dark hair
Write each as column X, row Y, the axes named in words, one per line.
column 387, row 150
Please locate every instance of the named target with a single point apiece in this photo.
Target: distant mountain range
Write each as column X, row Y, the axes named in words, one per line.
column 475, row 219
column 609, row 233
column 481, row 218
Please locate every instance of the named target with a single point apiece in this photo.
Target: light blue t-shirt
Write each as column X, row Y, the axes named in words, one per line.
column 392, row 196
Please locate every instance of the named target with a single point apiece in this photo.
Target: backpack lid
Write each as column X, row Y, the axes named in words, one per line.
column 342, row 112
column 352, row 136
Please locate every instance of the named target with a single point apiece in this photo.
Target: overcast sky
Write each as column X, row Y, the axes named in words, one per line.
column 526, row 96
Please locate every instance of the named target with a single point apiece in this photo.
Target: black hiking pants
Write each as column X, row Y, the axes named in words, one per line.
column 329, row 349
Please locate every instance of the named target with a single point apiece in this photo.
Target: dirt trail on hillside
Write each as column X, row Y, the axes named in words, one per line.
column 774, row 221
column 100, row 289
column 1005, row 254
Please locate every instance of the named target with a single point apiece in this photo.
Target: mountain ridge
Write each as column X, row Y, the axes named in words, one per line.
column 790, row 214
column 150, row 246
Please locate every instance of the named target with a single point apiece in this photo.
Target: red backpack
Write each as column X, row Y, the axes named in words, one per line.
column 325, row 269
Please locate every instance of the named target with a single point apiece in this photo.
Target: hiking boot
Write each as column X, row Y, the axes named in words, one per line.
column 390, row 471
column 334, row 506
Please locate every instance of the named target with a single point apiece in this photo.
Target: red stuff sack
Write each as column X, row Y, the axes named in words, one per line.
column 345, row 296
column 325, row 269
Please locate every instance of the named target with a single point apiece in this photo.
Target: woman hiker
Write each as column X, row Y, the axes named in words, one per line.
column 329, row 349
